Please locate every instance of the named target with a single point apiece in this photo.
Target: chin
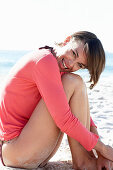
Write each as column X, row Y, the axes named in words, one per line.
column 67, row 71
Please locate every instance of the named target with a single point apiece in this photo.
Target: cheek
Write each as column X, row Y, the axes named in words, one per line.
column 76, row 67
column 68, row 58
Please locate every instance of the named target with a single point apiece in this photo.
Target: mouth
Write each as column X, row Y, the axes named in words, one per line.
column 64, row 65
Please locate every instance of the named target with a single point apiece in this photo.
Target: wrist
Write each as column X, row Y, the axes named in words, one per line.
column 99, row 147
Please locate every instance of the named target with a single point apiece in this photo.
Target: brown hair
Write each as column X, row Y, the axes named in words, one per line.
column 95, row 54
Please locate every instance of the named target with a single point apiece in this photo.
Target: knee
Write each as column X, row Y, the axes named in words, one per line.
column 73, row 81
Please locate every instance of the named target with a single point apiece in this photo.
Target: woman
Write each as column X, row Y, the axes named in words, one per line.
column 42, row 99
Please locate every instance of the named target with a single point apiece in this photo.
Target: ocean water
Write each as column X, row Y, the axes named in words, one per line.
column 107, row 72
column 9, row 58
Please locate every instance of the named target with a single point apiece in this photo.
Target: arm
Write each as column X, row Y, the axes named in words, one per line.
column 103, row 152
column 92, row 124
column 48, row 79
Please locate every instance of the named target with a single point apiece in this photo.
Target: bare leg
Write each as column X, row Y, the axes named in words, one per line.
column 36, row 142
column 54, row 151
column 79, row 107
column 39, row 138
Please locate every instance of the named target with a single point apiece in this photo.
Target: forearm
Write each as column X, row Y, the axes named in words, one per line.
column 100, row 144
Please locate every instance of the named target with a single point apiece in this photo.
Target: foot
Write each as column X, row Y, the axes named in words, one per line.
column 85, row 160
column 83, row 165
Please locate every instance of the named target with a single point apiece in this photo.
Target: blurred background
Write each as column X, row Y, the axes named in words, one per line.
column 26, row 25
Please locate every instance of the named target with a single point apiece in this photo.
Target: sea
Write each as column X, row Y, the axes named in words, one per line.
column 9, row 58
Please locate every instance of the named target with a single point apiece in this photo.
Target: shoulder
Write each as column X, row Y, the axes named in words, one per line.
column 43, row 54
column 44, row 57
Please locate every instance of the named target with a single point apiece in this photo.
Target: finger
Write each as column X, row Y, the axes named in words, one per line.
column 108, row 168
column 110, row 153
column 111, row 165
column 99, row 167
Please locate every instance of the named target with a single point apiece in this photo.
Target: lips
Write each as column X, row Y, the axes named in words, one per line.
column 63, row 63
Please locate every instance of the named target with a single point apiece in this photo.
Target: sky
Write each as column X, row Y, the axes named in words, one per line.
column 28, row 24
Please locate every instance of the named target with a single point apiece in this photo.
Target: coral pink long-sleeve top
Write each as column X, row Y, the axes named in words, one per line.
column 37, row 76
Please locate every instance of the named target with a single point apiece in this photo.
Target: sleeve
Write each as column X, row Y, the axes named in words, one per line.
column 47, row 76
column 92, row 122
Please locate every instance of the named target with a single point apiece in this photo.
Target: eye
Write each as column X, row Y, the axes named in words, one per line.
column 80, row 65
column 73, row 53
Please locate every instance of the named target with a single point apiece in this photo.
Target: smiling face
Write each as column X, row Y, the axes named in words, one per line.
column 72, row 57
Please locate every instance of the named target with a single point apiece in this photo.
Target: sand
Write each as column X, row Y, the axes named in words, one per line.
column 101, row 108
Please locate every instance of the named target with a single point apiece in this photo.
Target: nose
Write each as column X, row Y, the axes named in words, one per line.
column 71, row 62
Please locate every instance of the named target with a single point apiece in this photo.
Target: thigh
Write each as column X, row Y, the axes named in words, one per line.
column 36, row 141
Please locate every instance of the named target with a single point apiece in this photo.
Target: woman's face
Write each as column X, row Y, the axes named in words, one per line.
column 72, row 57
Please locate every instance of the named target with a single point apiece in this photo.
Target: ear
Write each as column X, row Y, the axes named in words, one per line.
column 66, row 40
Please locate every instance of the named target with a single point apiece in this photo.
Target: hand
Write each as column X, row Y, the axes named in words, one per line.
column 103, row 163
column 88, row 161
column 105, row 150
column 92, row 164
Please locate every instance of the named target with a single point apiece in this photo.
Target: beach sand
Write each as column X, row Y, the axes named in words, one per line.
column 101, row 108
